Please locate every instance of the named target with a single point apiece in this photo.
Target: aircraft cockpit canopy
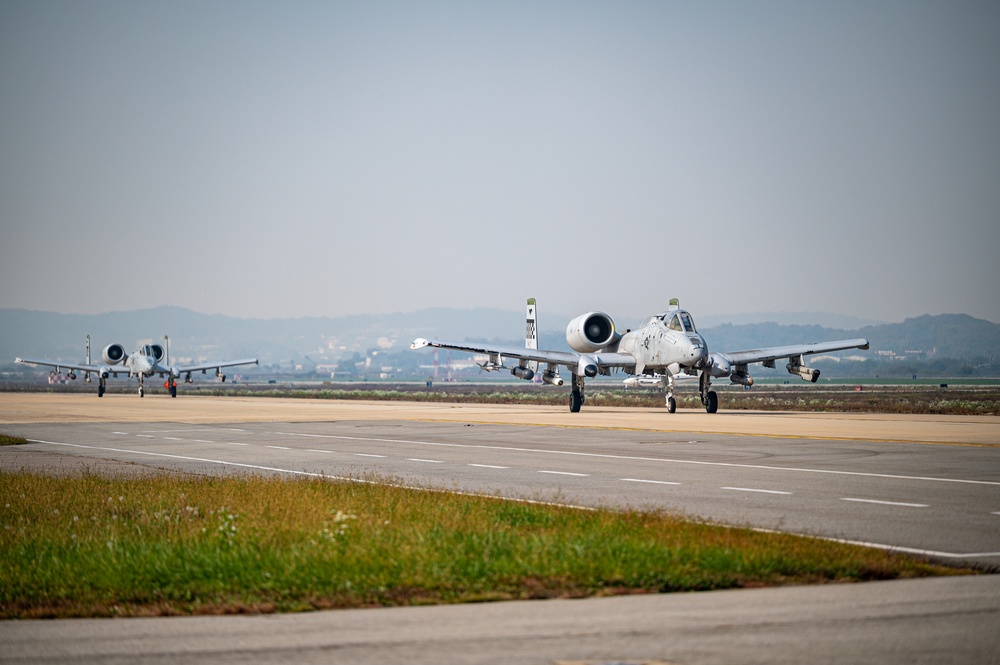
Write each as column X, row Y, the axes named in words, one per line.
column 148, row 350
column 680, row 321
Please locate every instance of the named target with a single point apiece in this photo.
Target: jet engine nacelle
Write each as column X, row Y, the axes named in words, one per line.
column 807, row 373
column 157, row 351
column 591, row 332
column 113, row 354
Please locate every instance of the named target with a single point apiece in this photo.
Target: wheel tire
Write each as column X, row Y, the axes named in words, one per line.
column 173, row 391
column 142, row 392
column 671, row 405
column 575, row 401
column 100, row 391
column 712, row 403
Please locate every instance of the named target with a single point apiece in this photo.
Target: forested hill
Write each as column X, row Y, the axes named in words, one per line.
column 29, row 333
column 943, row 335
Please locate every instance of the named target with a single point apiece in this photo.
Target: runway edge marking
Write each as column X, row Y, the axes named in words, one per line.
column 882, row 546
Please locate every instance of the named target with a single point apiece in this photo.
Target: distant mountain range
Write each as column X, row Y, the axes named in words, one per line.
column 316, row 340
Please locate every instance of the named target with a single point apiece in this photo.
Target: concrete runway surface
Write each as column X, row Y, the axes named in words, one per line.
column 923, row 483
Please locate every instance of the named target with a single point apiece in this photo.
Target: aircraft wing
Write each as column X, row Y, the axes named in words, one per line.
column 79, row 367
column 791, row 350
column 570, row 359
column 207, row 366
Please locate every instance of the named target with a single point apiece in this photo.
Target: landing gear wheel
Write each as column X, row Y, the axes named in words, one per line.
column 575, row 401
column 173, row 390
column 711, row 402
column 671, row 405
column 100, row 391
column 142, row 391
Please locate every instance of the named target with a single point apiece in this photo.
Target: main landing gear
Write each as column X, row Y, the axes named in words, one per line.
column 102, row 386
column 576, row 396
column 708, row 397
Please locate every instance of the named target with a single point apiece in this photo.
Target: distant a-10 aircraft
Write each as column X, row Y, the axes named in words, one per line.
column 667, row 344
column 142, row 363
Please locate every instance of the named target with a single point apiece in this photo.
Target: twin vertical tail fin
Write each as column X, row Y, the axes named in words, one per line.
column 531, row 331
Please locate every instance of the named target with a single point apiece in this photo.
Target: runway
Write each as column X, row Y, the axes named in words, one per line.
column 930, row 485
column 926, row 485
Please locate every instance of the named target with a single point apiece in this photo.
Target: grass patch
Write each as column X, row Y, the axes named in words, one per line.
column 9, row 440
column 88, row 545
column 983, row 401
column 767, row 395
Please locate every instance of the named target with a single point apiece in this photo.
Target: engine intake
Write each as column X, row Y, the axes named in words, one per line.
column 113, row 354
column 591, row 332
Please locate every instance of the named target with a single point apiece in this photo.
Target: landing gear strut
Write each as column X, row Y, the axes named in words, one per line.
column 668, row 385
column 708, row 397
column 576, row 397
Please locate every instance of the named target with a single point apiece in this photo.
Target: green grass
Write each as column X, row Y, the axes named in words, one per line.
column 905, row 397
column 95, row 546
column 9, row 440
column 914, row 400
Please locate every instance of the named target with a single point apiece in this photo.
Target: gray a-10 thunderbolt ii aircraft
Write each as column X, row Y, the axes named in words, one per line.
column 142, row 363
column 666, row 344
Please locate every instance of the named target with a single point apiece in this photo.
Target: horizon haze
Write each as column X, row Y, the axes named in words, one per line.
column 285, row 160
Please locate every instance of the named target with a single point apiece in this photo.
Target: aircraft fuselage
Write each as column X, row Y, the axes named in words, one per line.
column 666, row 343
column 656, row 347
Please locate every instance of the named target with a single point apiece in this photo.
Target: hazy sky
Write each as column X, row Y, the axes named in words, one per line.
column 266, row 159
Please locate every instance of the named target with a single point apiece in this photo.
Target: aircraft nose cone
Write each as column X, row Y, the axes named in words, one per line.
column 699, row 352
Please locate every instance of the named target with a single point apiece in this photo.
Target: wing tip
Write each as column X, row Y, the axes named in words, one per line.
column 419, row 343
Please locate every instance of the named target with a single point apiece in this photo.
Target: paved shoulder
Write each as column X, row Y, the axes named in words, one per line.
column 934, row 620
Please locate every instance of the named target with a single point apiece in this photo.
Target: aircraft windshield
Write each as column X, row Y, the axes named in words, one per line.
column 682, row 322
column 147, row 350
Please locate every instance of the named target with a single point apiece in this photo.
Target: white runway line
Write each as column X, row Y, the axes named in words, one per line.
column 750, row 489
column 887, row 503
column 654, row 482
